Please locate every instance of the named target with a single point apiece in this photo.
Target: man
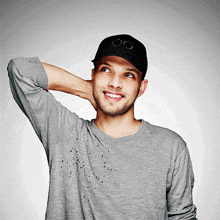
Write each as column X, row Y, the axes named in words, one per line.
column 112, row 167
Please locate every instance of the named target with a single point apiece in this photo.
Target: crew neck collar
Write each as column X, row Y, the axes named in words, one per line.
column 106, row 138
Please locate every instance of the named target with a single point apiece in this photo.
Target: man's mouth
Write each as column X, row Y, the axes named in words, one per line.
column 113, row 96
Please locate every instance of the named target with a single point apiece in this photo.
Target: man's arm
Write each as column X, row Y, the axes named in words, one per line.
column 61, row 80
column 29, row 84
column 179, row 196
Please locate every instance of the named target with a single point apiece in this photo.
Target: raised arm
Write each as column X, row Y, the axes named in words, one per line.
column 30, row 82
column 61, row 80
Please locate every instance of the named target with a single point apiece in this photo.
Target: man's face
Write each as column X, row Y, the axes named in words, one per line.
column 116, row 85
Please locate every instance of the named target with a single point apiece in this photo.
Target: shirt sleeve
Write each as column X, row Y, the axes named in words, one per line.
column 179, row 196
column 28, row 82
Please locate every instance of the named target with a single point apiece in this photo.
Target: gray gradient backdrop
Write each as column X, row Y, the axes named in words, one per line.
column 182, row 38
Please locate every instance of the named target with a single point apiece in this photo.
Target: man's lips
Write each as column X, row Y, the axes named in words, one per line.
column 111, row 96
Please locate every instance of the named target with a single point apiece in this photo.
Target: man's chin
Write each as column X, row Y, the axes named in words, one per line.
column 113, row 109
column 115, row 112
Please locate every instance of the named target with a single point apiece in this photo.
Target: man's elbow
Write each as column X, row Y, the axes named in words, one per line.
column 11, row 68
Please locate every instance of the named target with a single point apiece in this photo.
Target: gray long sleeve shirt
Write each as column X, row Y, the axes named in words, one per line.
column 147, row 175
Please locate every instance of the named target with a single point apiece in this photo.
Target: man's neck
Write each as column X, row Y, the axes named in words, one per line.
column 118, row 126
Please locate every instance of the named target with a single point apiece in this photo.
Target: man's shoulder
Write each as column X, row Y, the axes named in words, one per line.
column 164, row 135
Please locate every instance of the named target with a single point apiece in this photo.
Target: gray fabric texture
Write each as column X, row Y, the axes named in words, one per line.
column 147, row 175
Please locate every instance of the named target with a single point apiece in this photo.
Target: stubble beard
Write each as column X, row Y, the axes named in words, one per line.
column 113, row 113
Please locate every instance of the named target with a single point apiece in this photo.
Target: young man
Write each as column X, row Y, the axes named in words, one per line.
column 112, row 167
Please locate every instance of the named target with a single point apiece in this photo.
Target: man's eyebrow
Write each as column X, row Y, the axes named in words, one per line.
column 105, row 63
column 127, row 69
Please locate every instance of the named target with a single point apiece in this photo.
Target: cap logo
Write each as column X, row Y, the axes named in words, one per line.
column 127, row 44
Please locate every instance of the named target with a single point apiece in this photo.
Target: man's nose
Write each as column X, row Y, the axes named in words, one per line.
column 115, row 82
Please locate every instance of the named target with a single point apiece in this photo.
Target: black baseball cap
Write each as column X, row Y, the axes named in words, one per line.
column 124, row 46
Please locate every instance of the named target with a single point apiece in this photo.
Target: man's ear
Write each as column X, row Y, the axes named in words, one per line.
column 143, row 86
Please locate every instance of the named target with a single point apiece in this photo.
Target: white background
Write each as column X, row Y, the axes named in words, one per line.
column 182, row 39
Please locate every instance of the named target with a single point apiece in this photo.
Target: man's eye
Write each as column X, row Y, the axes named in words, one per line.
column 104, row 69
column 130, row 75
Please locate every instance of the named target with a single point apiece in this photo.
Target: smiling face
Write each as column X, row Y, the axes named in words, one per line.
column 116, row 85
